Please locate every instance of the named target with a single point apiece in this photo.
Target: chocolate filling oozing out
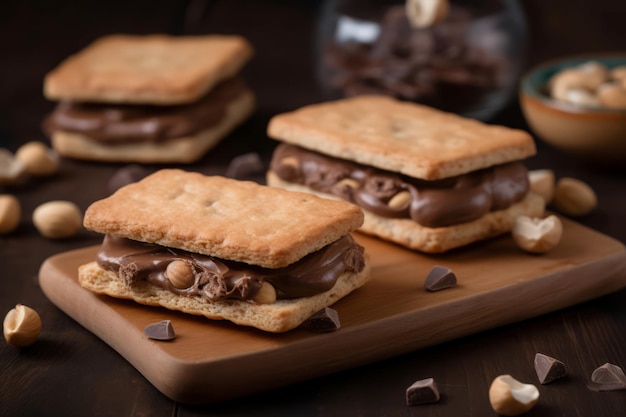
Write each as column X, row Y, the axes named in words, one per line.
column 436, row 203
column 114, row 123
column 216, row 279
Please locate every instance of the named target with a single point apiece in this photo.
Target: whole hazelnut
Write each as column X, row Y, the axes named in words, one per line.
column 266, row 294
column 612, row 95
column 509, row 397
column 180, row 274
column 38, row 159
column 21, row 326
column 11, row 170
column 425, row 13
column 58, row 219
column 10, row 213
column 574, row 197
column 595, row 74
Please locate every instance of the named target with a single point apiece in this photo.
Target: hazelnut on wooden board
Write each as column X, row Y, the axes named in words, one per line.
column 10, row 213
column 21, row 326
column 537, row 235
column 58, row 219
column 509, row 397
column 574, row 197
column 542, row 182
column 38, row 159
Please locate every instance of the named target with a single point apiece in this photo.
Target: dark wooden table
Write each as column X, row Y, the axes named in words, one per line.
column 70, row 372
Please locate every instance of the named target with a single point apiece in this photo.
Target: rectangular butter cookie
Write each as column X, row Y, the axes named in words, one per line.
column 152, row 69
column 237, row 220
column 402, row 137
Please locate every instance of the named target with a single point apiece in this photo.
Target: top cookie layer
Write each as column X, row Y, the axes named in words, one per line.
column 229, row 219
column 403, row 137
column 154, row 69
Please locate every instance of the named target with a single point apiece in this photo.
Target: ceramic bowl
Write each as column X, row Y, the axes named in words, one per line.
column 595, row 133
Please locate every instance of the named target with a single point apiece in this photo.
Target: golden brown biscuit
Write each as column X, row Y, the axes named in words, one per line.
column 402, row 137
column 280, row 316
column 177, row 150
column 155, row 69
column 236, row 220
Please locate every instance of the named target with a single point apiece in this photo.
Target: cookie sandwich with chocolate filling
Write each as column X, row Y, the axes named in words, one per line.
column 148, row 99
column 225, row 249
column 428, row 180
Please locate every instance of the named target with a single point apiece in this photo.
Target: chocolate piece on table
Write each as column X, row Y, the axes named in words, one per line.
column 609, row 377
column 245, row 165
column 422, row 392
column 325, row 320
column 162, row 330
column 439, row 278
column 126, row 175
column 548, row 368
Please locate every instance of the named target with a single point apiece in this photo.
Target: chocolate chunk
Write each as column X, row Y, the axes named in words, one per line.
column 245, row 165
column 609, row 377
column 439, row 278
column 548, row 369
column 325, row 320
column 162, row 330
column 126, row 175
column 422, row 392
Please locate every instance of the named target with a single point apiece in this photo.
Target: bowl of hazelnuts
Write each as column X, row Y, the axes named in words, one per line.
column 578, row 104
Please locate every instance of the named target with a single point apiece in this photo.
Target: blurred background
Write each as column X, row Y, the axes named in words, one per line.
column 35, row 35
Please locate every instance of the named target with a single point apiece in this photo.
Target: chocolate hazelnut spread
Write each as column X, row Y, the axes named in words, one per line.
column 437, row 203
column 112, row 123
column 219, row 279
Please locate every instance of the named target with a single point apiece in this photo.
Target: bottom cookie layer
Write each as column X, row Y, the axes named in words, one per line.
column 410, row 234
column 278, row 317
column 179, row 150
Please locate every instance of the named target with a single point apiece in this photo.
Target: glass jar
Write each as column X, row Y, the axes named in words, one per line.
column 469, row 63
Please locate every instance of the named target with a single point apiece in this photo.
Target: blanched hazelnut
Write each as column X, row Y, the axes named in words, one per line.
column 10, row 213
column 618, row 73
column 562, row 82
column 574, row 197
column 537, row 235
column 581, row 97
column 21, row 326
column 291, row 162
column 509, row 397
column 542, row 183
column 11, row 170
column 595, row 74
column 58, row 219
column 612, row 95
column 38, row 159
column 266, row 294
column 347, row 182
column 425, row 13
column 399, row 200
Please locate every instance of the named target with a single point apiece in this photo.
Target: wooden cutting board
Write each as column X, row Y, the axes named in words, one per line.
column 211, row 361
